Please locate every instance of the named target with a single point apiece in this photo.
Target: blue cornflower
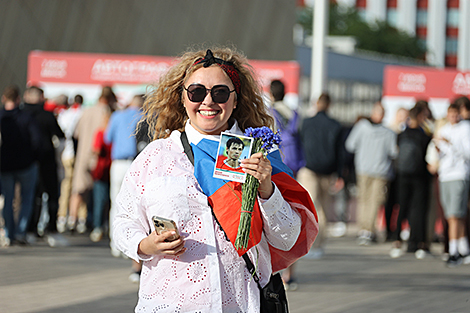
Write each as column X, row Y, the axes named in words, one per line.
column 266, row 135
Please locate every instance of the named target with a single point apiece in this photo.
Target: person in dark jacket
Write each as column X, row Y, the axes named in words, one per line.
column 48, row 181
column 321, row 142
column 413, row 185
column 342, row 196
column 21, row 143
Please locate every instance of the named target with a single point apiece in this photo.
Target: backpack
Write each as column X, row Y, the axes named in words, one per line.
column 142, row 138
column 291, row 148
column 410, row 158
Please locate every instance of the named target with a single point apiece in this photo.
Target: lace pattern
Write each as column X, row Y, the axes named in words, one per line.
column 209, row 276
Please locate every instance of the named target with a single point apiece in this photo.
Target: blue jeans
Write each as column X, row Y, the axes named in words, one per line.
column 100, row 200
column 27, row 179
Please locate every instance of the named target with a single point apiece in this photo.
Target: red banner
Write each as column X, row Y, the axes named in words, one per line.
column 425, row 83
column 110, row 69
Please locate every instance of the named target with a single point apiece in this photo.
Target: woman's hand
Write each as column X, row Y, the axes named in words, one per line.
column 156, row 245
column 260, row 167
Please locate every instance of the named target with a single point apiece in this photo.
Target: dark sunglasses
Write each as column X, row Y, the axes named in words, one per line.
column 198, row 92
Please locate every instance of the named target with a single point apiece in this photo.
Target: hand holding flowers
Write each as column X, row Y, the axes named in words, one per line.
column 258, row 180
column 260, row 168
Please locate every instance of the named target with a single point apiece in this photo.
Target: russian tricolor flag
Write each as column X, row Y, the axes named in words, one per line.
column 225, row 198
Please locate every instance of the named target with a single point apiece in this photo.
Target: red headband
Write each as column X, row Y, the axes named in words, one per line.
column 227, row 66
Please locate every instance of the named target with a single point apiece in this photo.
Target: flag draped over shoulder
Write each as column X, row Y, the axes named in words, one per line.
column 225, row 198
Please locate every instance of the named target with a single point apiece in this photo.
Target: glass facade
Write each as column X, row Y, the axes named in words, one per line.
column 362, row 13
column 392, row 17
column 451, row 45
column 453, row 18
column 421, row 18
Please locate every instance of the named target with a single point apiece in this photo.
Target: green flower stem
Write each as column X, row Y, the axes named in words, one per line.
column 249, row 195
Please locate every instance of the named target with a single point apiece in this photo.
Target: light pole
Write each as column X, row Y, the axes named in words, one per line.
column 320, row 28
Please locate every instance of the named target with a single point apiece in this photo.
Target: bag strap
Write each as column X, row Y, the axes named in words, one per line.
column 189, row 152
column 187, row 147
column 251, row 269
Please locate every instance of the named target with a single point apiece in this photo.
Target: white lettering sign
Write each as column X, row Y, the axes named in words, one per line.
column 127, row 70
column 461, row 84
column 411, row 82
column 51, row 68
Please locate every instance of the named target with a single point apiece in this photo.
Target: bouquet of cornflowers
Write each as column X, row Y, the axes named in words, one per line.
column 264, row 139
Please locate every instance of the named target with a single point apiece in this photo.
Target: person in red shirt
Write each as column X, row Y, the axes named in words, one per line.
column 100, row 176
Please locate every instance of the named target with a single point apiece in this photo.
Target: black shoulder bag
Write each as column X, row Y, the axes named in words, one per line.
column 273, row 297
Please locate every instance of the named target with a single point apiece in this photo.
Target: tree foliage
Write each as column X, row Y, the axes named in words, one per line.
column 379, row 37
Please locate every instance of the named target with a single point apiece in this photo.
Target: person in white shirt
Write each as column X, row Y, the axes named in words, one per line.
column 453, row 144
column 202, row 271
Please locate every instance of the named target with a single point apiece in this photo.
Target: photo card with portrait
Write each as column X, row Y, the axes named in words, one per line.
column 232, row 149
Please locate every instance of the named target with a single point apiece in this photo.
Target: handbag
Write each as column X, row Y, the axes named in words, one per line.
column 273, row 297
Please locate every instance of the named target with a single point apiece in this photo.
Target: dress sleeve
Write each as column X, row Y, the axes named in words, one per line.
column 130, row 223
column 281, row 222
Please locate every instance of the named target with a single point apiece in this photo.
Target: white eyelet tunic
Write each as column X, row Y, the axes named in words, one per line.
column 209, row 276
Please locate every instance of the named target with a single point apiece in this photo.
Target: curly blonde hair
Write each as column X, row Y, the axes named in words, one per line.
column 163, row 108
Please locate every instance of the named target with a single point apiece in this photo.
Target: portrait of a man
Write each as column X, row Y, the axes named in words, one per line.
column 231, row 162
column 232, row 149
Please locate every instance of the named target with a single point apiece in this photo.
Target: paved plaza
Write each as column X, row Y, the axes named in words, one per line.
column 84, row 277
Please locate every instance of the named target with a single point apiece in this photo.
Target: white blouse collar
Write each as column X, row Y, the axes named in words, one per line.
column 195, row 136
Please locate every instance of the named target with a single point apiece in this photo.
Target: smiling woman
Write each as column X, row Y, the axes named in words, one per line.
column 167, row 99
column 200, row 97
column 206, row 115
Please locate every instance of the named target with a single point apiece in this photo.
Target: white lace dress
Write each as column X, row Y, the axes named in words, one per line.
column 209, row 276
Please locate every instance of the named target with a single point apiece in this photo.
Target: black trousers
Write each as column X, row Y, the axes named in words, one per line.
column 412, row 195
column 392, row 201
column 48, row 182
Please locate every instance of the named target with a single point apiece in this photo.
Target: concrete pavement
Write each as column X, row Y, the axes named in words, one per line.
column 84, row 277
column 351, row 278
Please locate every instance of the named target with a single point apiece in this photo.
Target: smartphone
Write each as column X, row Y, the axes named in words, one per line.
column 163, row 224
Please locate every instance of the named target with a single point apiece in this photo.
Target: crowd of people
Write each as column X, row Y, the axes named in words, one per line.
column 58, row 155
column 84, row 165
column 416, row 170
column 428, row 184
